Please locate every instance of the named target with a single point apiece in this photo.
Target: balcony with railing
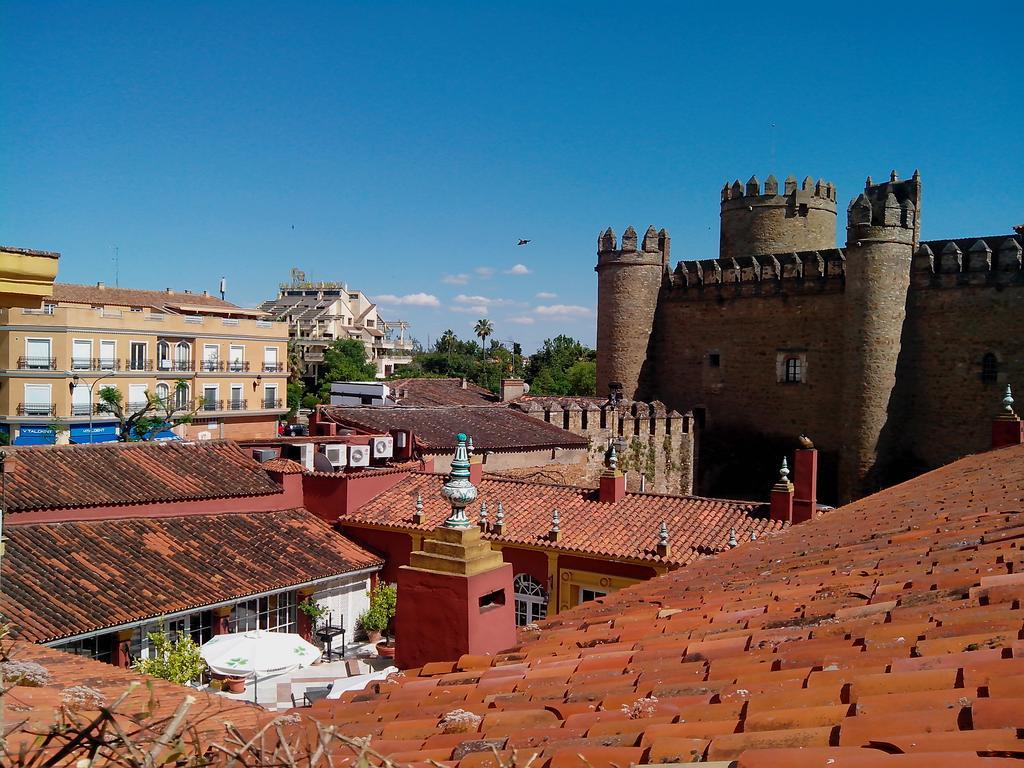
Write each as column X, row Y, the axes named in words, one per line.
column 138, row 364
column 95, row 364
column 36, row 409
column 212, row 405
column 270, row 404
column 37, row 363
column 238, row 366
column 87, row 409
column 273, row 367
column 211, row 366
column 238, row 405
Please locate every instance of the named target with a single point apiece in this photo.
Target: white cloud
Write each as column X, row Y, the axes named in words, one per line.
column 475, row 309
column 409, row 300
column 518, row 269
column 522, row 320
column 484, row 271
column 460, row 279
column 462, row 298
column 546, row 295
column 563, row 310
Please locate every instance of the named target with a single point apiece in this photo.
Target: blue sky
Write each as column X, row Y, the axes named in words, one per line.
column 405, row 147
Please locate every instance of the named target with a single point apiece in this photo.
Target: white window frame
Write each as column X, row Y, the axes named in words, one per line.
column 131, row 354
column 105, row 363
column 49, row 353
column 531, row 599
column 182, row 396
column 236, row 365
column 241, row 395
column 216, row 397
column 782, row 358
column 269, row 388
column 270, row 359
column 48, row 403
column 76, row 361
column 166, row 396
column 182, row 363
column 258, row 613
column 207, row 359
column 594, row 594
column 136, row 403
column 163, row 355
column 80, row 397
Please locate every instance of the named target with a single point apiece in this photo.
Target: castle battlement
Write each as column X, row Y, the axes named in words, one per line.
column 654, row 247
column 752, row 193
column 764, row 275
column 993, row 261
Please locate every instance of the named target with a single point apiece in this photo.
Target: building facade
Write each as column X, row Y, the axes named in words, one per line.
column 320, row 313
column 54, row 360
column 886, row 353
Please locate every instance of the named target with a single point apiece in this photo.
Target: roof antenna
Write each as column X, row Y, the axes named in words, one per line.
column 117, row 269
column 223, row 287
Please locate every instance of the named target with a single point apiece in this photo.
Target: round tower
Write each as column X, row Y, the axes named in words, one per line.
column 881, row 234
column 628, row 283
column 756, row 221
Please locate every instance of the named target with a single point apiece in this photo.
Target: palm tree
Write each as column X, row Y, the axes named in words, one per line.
column 483, row 329
column 447, row 341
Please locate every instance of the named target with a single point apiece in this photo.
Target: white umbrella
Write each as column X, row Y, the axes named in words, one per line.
column 257, row 653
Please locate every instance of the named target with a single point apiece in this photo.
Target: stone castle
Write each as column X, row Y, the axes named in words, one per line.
column 891, row 353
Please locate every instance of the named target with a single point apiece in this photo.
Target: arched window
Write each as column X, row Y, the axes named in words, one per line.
column 181, row 396
column 163, row 355
column 183, row 356
column 531, row 599
column 989, row 369
column 794, row 370
column 162, row 393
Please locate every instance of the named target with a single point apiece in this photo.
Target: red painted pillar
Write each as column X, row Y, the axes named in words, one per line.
column 121, row 640
column 221, row 620
column 1007, row 428
column 782, row 497
column 805, row 499
column 304, row 624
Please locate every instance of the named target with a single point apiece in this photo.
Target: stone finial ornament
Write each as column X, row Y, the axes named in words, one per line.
column 500, row 517
column 753, row 535
column 784, row 471
column 418, row 514
column 733, row 542
column 483, row 514
column 613, row 458
column 1008, row 402
column 555, row 520
column 469, row 445
column 458, row 489
column 663, row 534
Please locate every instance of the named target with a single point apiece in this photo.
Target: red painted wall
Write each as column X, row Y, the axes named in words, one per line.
column 528, row 561
column 395, row 546
column 332, row 496
column 439, row 617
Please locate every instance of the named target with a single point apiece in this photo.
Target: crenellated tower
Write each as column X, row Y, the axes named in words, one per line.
column 629, row 281
column 758, row 221
column 883, row 227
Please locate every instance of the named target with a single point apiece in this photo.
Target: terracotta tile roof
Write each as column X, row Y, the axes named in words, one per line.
column 135, row 297
column 627, row 529
column 33, row 710
column 493, row 428
column 440, row 392
column 64, row 579
column 892, row 625
column 283, row 466
column 29, row 251
column 67, row 476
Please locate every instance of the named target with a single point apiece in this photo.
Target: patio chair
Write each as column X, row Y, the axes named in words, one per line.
column 315, row 694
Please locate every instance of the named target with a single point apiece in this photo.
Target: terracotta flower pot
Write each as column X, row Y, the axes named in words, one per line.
column 374, row 636
column 234, row 684
column 386, row 650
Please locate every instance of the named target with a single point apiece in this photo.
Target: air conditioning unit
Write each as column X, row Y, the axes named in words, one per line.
column 263, row 454
column 402, row 439
column 306, row 455
column 359, row 455
column 337, row 455
column 383, row 447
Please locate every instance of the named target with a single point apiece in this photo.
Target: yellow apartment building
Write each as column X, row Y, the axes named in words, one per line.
column 54, row 360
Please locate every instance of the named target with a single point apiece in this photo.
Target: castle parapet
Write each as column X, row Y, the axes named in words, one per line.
column 991, row 261
column 654, row 248
column 764, row 275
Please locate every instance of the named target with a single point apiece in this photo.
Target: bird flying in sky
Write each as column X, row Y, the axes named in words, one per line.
column 522, row 242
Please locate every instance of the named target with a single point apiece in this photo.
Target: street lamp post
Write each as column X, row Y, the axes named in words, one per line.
column 75, row 378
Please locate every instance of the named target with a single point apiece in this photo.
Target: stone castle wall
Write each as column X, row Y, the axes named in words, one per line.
column 890, row 337
column 659, row 444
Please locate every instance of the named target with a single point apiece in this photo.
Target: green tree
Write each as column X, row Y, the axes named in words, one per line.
column 548, row 371
column 582, row 378
column 483, row 329
column 296, row 391
column 345, row 360
column 175, row 660
column 145, row 420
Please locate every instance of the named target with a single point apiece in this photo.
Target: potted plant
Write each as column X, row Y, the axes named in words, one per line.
column 375, row 620
column 314, row 610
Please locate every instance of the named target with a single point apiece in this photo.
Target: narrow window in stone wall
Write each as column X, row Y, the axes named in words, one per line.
column 793, row 370
column 714, row 360
column 583, row 419
column 989, row 369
